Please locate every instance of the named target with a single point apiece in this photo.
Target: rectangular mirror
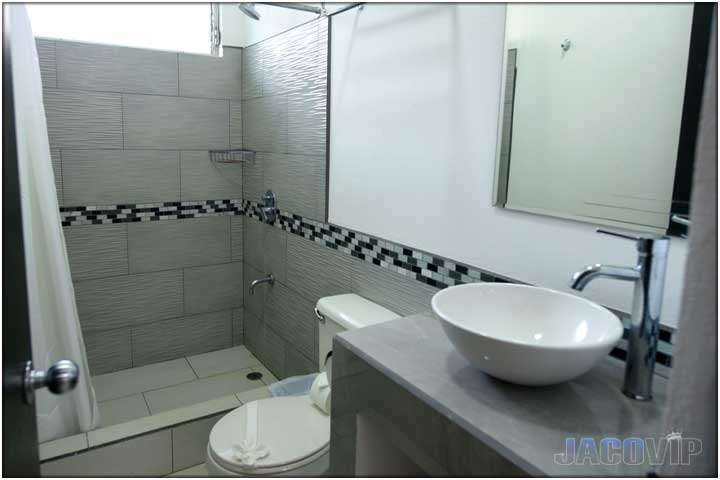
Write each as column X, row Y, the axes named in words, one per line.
column 597, row 121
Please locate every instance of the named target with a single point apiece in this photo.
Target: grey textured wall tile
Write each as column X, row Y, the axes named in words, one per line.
column 178, row 243
column 298, row 181
column 307, row 114
column 175, row 122
column 297, row 363
column 213, row 287
column 106, row 177
column 291, row 60
column 292, row 317
column 265, row 124
column 206, row 180
column 108, row 351
column 271, row 352
column 315, row 271
column 394, row 291
column 252, row 332
column 252, row 70
column 190, row 442
column 253, row 178
column 212, row 77
column 238, row 326
column 236, row 234
column 116, row 69
column 236, row 137
column 183, row 336
column 56, row 159
column 46, row 59
column 255, row 303
column 265, row 247
column 82, row 119
column 114, row 302
column 97, row 250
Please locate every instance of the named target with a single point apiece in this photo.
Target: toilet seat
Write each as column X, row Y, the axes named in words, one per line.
column 293, row 429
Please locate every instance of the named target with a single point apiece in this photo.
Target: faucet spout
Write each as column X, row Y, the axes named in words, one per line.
column 581, row 279
column 268, row 279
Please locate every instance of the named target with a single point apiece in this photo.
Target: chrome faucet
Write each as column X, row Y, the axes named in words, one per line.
column 269, row 279
column 649, row 277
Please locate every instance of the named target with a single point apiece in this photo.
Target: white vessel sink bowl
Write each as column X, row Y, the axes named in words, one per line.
column 526, row 335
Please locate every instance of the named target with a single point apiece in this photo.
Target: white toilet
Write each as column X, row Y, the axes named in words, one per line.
column 294, row 432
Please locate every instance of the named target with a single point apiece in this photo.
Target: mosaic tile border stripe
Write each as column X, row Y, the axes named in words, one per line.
column 426, row 268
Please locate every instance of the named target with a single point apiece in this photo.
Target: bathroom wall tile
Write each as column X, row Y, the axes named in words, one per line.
column 401, row 294
column 222, row 361
column 236, row 234
column 108, row 351
column 141, row 379
column 265, row 247
column 291, row 60
column 123, row 409
column 56, row 159
column 206, row 180
column 109, row 177
column 83, row 119
column 292, row 317
column 307, row 115
column 179, row 337
column 178, row 243
column 252, row 332
column 298, row 364
column 175, row 122
column 254, row 304
column 271, row 351
column 265, row 124
column 237, row 326
column 252, row 70
column 236, row 137
column 298, row 181
column 96, row 250
column 114, row 302
column 145, row 456
column 315, row 271
column 253, row 178
column 213, row 287
column 190, row 442
column 111, row 68
column 46, row 58
column 211, row 77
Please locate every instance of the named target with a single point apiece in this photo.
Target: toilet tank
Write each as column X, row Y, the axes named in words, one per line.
column 345, row 312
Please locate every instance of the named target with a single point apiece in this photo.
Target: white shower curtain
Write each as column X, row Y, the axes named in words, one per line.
column 54, row 323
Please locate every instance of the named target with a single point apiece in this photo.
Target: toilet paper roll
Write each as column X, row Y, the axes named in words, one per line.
column 320, row 393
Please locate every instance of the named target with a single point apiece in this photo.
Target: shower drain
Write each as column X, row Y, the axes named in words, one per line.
column 254, row 376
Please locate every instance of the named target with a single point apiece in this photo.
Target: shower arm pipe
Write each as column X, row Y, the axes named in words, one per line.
column 296, row 6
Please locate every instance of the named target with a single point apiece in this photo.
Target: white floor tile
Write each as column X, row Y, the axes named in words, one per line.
column 196, row 471
column 63, row 446
column 254, row 394
column 200, row 390
column 122, row 410
column 140, row 379
column 222, row 361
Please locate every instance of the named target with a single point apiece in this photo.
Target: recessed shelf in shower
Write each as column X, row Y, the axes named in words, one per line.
column 232, row 156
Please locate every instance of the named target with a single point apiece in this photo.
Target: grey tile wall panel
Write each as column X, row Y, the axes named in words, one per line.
column 252, row 70
column 298, row 181
column 236, row 137
column 271, row 352
column 170, row 244
column 298, row 364
column 307, row 121
column 236, row 235
column 108, row 351
column 253, row 178
column 238, row 333
column 180, row 337
column 254, row 304
column 265, row 124
column 46, row 59
column 292, row 317
column 190, row 442
column 56, row 159
column 82, row 119
column 315, row 271
column 175, row 122
column 265, row 247
column 206, row 180
column 96, row 251
column 112, row 68
column 108, row 177
column 291, row 60
column 213, row 287
column 115, row 302
column 212, row 77
column 401, row 294
column 252, row 332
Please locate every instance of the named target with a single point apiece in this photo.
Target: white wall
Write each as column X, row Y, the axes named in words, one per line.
column 415, row 96
column 605, row 115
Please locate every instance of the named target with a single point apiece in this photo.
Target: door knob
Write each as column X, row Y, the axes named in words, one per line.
column 61, row 377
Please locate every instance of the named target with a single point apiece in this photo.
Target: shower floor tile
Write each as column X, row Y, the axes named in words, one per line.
column 141, row 379
column 123, row 409
column 222, row 361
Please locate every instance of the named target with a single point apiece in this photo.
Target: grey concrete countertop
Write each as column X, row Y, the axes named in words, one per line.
column 526, row 425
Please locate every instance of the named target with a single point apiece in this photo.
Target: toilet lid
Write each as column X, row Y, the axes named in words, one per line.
column 292, row 429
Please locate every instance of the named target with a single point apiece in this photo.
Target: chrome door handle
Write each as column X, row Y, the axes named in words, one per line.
column 61, row 377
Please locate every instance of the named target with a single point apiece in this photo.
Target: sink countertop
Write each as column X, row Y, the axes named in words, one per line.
column 526, row 425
